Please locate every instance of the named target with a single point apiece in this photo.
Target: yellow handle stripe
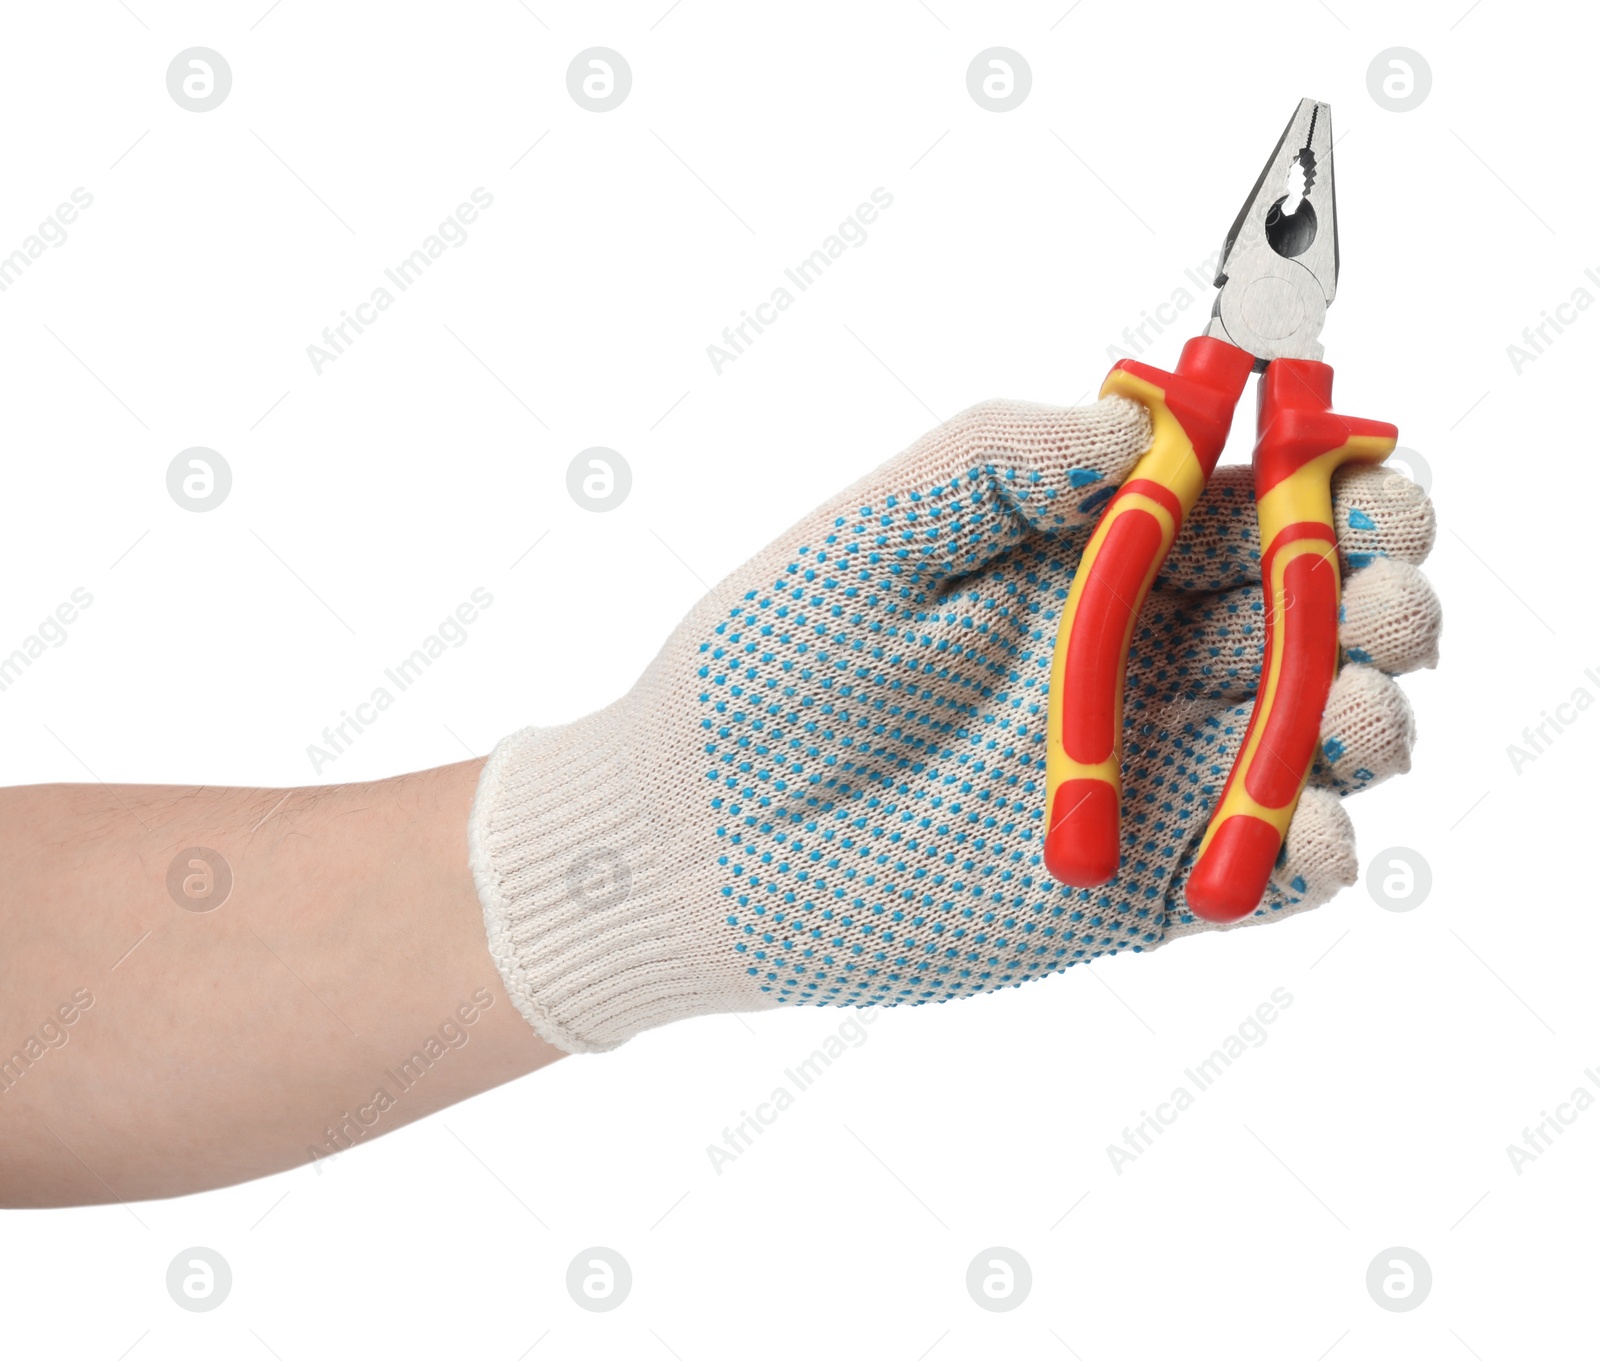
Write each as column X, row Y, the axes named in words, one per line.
column 1170, row 459
column 1171, row 462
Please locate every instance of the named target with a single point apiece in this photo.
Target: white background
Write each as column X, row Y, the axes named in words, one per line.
column 370, row 500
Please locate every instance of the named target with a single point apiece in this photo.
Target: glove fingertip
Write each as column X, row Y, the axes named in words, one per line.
column 1381, row 513
column 1320, row 851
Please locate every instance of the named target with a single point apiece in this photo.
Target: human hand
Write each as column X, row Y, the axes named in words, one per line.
column 828, row 788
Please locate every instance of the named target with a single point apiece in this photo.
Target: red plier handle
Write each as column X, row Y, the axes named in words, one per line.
column 1300, row 443
column 1190, row 415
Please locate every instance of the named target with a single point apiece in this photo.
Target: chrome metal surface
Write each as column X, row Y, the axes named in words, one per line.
column 1280, row 262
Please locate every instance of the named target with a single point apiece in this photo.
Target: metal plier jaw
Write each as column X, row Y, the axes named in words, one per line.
column 1280, row 262
column 1277, row 274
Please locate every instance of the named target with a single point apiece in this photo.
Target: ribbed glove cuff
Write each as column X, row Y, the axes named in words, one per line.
column 586, row 889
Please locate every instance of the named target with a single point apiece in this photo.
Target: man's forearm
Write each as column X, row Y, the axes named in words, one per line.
column 201, row 985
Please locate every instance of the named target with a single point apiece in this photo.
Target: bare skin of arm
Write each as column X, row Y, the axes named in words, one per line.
column 212, row 1039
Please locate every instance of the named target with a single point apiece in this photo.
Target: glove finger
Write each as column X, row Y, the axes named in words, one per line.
column 1319, row 854
column 966, row 492
column 1381, row 513
column 1209, row 646
column 1377, row 512
column 1390, row 618
column 1368, row 731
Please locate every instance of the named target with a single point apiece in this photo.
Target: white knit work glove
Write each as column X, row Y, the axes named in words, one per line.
column 828, row 788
